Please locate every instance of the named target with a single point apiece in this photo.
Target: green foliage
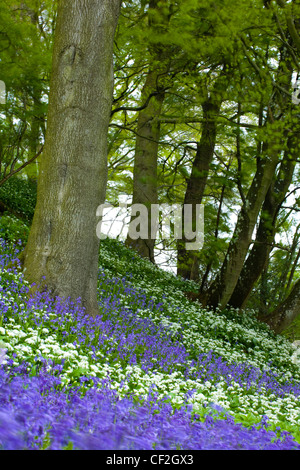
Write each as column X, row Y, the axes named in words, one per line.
column 228, row 334
column 201, row 39
column 13, row 229
column 129, row 264
column 26, row 56
column 19, row 195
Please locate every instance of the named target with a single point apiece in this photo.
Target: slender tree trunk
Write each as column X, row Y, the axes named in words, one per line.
column 188, row 260
column 31, row 170
column 286, row 312
column 221, row 290
column 145, row 161
column 148, row 129
column 284, row 280
column 216, row 234
column 259, row 255
column 62, row 250
column 293, row 269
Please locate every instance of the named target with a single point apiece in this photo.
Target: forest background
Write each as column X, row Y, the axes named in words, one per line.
column 205, row 111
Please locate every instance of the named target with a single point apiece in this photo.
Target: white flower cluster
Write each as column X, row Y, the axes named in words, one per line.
column 202, row 331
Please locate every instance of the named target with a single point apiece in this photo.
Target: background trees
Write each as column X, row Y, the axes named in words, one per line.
column 26, row 54
column 202, row 112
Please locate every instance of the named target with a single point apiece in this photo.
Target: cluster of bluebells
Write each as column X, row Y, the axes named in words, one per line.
column 71, row 381
column 35, row 414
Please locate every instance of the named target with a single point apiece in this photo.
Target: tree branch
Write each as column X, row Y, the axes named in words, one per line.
column 290, row 24
column 11, row 173
column 139, row 108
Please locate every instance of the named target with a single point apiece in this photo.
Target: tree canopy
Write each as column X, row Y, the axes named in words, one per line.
column 205, row 110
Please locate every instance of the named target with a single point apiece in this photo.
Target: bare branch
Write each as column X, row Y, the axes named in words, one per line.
column 11, row 173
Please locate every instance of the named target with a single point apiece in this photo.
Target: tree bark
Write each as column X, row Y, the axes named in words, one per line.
column 148, row 129
column 286, row 312
column 145, row 161
column 259, row 255
column 188, row 260
column 62, row 251
column 221, row 290
column 31, row 170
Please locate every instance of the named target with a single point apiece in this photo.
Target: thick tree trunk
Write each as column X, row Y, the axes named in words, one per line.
column 63, row 246
column 148, row 129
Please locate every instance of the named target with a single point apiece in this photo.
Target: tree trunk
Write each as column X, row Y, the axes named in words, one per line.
column 62, row 250
column 222, row 288
column 188, row 260
column 36, row 121
column 286, row 312
column 259, row 255
column 148, row 129
column 145, row 161
column 31, row 170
